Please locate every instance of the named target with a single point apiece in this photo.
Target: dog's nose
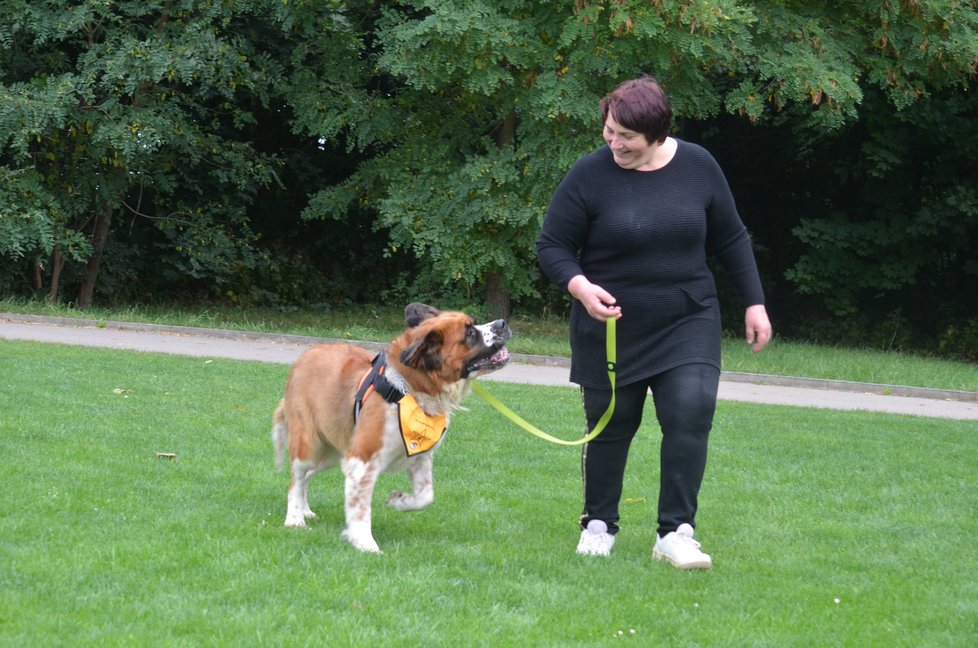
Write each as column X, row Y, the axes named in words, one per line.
column 500, row 330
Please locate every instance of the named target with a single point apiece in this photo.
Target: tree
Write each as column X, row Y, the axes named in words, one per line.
column 433, row 134
column 887, row 245
column 143, row 110
column 29, row 220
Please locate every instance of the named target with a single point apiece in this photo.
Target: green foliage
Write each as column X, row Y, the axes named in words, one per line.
column 688, row 46
column 28, row 216
column 306, row 152
column 959, row 339
column 136, row 109
column 455, row 187
column 900, row 229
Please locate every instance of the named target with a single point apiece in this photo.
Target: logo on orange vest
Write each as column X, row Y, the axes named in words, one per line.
column 419, row 431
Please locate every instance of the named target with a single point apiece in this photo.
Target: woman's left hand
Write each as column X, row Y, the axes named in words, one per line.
column 758, row 327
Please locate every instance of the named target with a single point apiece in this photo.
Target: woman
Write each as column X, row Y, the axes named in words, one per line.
column 627, row 234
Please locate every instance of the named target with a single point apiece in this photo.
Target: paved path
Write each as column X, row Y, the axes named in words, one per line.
column 284, row 349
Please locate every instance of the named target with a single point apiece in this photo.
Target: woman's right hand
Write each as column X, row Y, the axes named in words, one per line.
column 598, row 302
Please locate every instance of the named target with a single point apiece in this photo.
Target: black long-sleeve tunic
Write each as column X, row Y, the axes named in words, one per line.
column 644, row 236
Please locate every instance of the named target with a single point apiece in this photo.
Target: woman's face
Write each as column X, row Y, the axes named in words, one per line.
column 631, row 149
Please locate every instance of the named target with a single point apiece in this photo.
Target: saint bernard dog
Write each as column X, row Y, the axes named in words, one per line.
column 371, row 413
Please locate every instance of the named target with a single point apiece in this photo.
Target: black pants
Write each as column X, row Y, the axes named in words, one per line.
column 685, row 399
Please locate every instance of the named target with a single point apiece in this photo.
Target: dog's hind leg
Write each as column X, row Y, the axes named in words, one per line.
column 297, row 509
column 422, row 486
column 298, row 504
column 298, row 499
column 360, row 478
column 280, row 434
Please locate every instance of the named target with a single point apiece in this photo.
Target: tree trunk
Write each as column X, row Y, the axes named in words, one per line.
column 103, row 219
column 57, row 263
column 506, row 135
column 38, row 276
column 497, row 297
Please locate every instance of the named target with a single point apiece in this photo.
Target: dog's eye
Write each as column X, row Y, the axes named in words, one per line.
column 471, row 335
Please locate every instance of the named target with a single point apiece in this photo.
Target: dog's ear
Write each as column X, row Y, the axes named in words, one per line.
column 424, row 354
column 417, row 312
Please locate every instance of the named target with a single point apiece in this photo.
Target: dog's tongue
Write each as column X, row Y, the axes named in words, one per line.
column 500, row 356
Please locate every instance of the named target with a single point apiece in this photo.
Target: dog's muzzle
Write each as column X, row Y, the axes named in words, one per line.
column 495, row 355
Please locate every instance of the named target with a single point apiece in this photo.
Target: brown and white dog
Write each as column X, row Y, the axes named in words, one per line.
column 344, row 406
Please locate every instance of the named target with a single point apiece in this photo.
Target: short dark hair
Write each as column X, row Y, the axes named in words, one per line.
column 640, row 105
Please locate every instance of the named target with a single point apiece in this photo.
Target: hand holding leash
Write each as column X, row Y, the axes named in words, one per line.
column 598, row 302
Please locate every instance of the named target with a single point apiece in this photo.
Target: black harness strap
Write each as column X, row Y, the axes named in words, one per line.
column 374, row 381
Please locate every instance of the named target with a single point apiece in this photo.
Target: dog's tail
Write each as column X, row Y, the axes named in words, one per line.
column 280, row 434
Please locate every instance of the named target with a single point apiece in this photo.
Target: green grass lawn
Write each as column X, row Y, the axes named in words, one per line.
column 826, row 528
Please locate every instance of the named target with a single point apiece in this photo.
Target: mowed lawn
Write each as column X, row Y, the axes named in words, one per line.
column 827, row 528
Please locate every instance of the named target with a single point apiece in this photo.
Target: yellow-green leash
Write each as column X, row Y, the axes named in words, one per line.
column 612, row 356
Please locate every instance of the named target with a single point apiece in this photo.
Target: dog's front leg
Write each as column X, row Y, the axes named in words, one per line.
column 360, row 477
column 420, row 470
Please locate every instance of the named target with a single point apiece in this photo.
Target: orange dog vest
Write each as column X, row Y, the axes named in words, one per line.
column 420, row 431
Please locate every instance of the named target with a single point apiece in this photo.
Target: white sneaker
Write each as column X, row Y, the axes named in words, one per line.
column 679, row 548
column 595, row 540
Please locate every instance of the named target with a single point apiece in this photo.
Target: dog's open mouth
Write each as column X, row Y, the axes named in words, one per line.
column 485, row 364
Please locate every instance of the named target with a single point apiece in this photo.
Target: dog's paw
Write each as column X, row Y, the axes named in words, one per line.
column 397, row 500
column 407, row 501
column 296, row 522
column 363, row 543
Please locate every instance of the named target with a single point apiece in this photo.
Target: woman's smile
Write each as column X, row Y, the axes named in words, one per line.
column 631, row 149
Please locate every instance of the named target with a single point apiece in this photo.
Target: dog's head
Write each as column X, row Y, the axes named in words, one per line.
column 450, row 346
